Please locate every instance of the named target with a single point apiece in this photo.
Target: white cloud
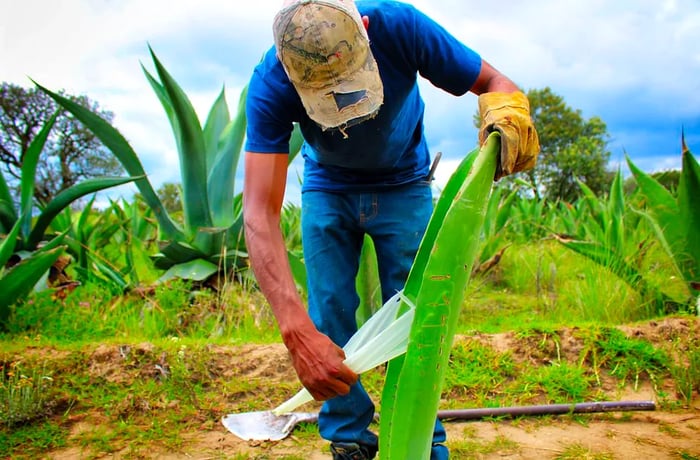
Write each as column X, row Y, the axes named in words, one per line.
column 633, row 63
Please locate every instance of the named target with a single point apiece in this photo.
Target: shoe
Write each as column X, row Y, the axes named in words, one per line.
column 352, row 451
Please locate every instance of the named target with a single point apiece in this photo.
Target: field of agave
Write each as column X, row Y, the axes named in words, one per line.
column 647, row 239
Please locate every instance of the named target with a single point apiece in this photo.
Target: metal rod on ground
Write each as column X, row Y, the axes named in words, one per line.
column 546, row 409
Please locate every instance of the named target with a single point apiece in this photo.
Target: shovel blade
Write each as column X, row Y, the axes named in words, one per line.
column 264, row 425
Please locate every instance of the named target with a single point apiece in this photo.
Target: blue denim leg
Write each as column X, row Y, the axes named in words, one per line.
column 333, row 228
column 332, row 241
column 396, row 221
column 439, row 451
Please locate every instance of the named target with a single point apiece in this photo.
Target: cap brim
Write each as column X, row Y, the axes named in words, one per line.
column 357, row 97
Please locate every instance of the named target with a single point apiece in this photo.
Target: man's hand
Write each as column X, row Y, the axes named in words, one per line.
column 509, row 114
column 319, row 364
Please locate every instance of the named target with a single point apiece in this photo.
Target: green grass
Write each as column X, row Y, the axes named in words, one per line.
column 145, row 394
column 92, row 313
column 580, row 452
column 686, row 373
column 627, row 358
column 545, row 282
column 560, row 383
column 25, row 393
column 34, row 439
column 479, row 374
column 472, row 447
column 150, row 362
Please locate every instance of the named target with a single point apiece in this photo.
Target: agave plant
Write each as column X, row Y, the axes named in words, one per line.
column 606, row 239
column 603, row 235
column 32, row 232
column 211, row 237
column 27, row 238
column 676, row 220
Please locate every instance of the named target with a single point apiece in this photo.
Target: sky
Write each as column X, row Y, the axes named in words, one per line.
column 633, row 63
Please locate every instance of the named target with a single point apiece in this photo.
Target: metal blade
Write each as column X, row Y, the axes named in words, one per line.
column 264, row 425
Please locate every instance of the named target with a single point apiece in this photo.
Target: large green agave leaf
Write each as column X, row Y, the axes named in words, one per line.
column 218, row 120
column 676, row 220
column 29, row 163
column 436, row 285
column 222, row 175
column 689, row 207
column 192, row 152
column 19, row 281
column 119, row 146
column 165, row 102
column 660, row 201
column 196, row 270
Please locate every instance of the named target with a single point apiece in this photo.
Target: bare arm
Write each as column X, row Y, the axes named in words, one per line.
column 490, row 80
column 316, row 359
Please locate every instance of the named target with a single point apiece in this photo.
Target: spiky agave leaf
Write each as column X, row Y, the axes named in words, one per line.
column 120, row 147
column 436, row 285
column 19, row 281
column 191, row 149
column 676, row 220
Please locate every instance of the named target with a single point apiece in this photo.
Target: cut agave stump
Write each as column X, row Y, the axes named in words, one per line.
column 436, row 287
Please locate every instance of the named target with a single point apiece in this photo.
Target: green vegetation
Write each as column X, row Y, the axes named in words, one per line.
column 27, row 250
column 24, row 394
column 568, row 301
column 572, row 148
column 147, row 368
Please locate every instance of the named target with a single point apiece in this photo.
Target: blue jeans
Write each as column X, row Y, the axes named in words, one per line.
column 333, row 229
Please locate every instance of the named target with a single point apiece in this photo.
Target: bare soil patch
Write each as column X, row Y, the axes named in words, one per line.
column 257, row 377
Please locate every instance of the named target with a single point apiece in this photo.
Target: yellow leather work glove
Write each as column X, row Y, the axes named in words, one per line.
column 509, row 114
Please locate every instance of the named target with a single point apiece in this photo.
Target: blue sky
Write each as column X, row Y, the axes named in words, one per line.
column 635, row 64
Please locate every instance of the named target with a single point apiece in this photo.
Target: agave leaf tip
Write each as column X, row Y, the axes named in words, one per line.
column 684, row 146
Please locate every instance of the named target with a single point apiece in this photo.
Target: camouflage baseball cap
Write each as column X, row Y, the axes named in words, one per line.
column 324, row 48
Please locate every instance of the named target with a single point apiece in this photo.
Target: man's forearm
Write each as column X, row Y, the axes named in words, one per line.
column 268, row 258
column 491, row 80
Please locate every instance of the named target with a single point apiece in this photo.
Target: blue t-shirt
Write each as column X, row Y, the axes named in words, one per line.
column 389, row 149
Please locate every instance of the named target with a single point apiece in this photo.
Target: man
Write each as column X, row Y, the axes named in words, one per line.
column 349, row 78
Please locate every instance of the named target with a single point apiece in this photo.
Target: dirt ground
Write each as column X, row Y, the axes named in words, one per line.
column 671, row 431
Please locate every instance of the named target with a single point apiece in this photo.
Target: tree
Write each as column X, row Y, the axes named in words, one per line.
column 571, row 148
column 170, row 194
column 72, row 152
